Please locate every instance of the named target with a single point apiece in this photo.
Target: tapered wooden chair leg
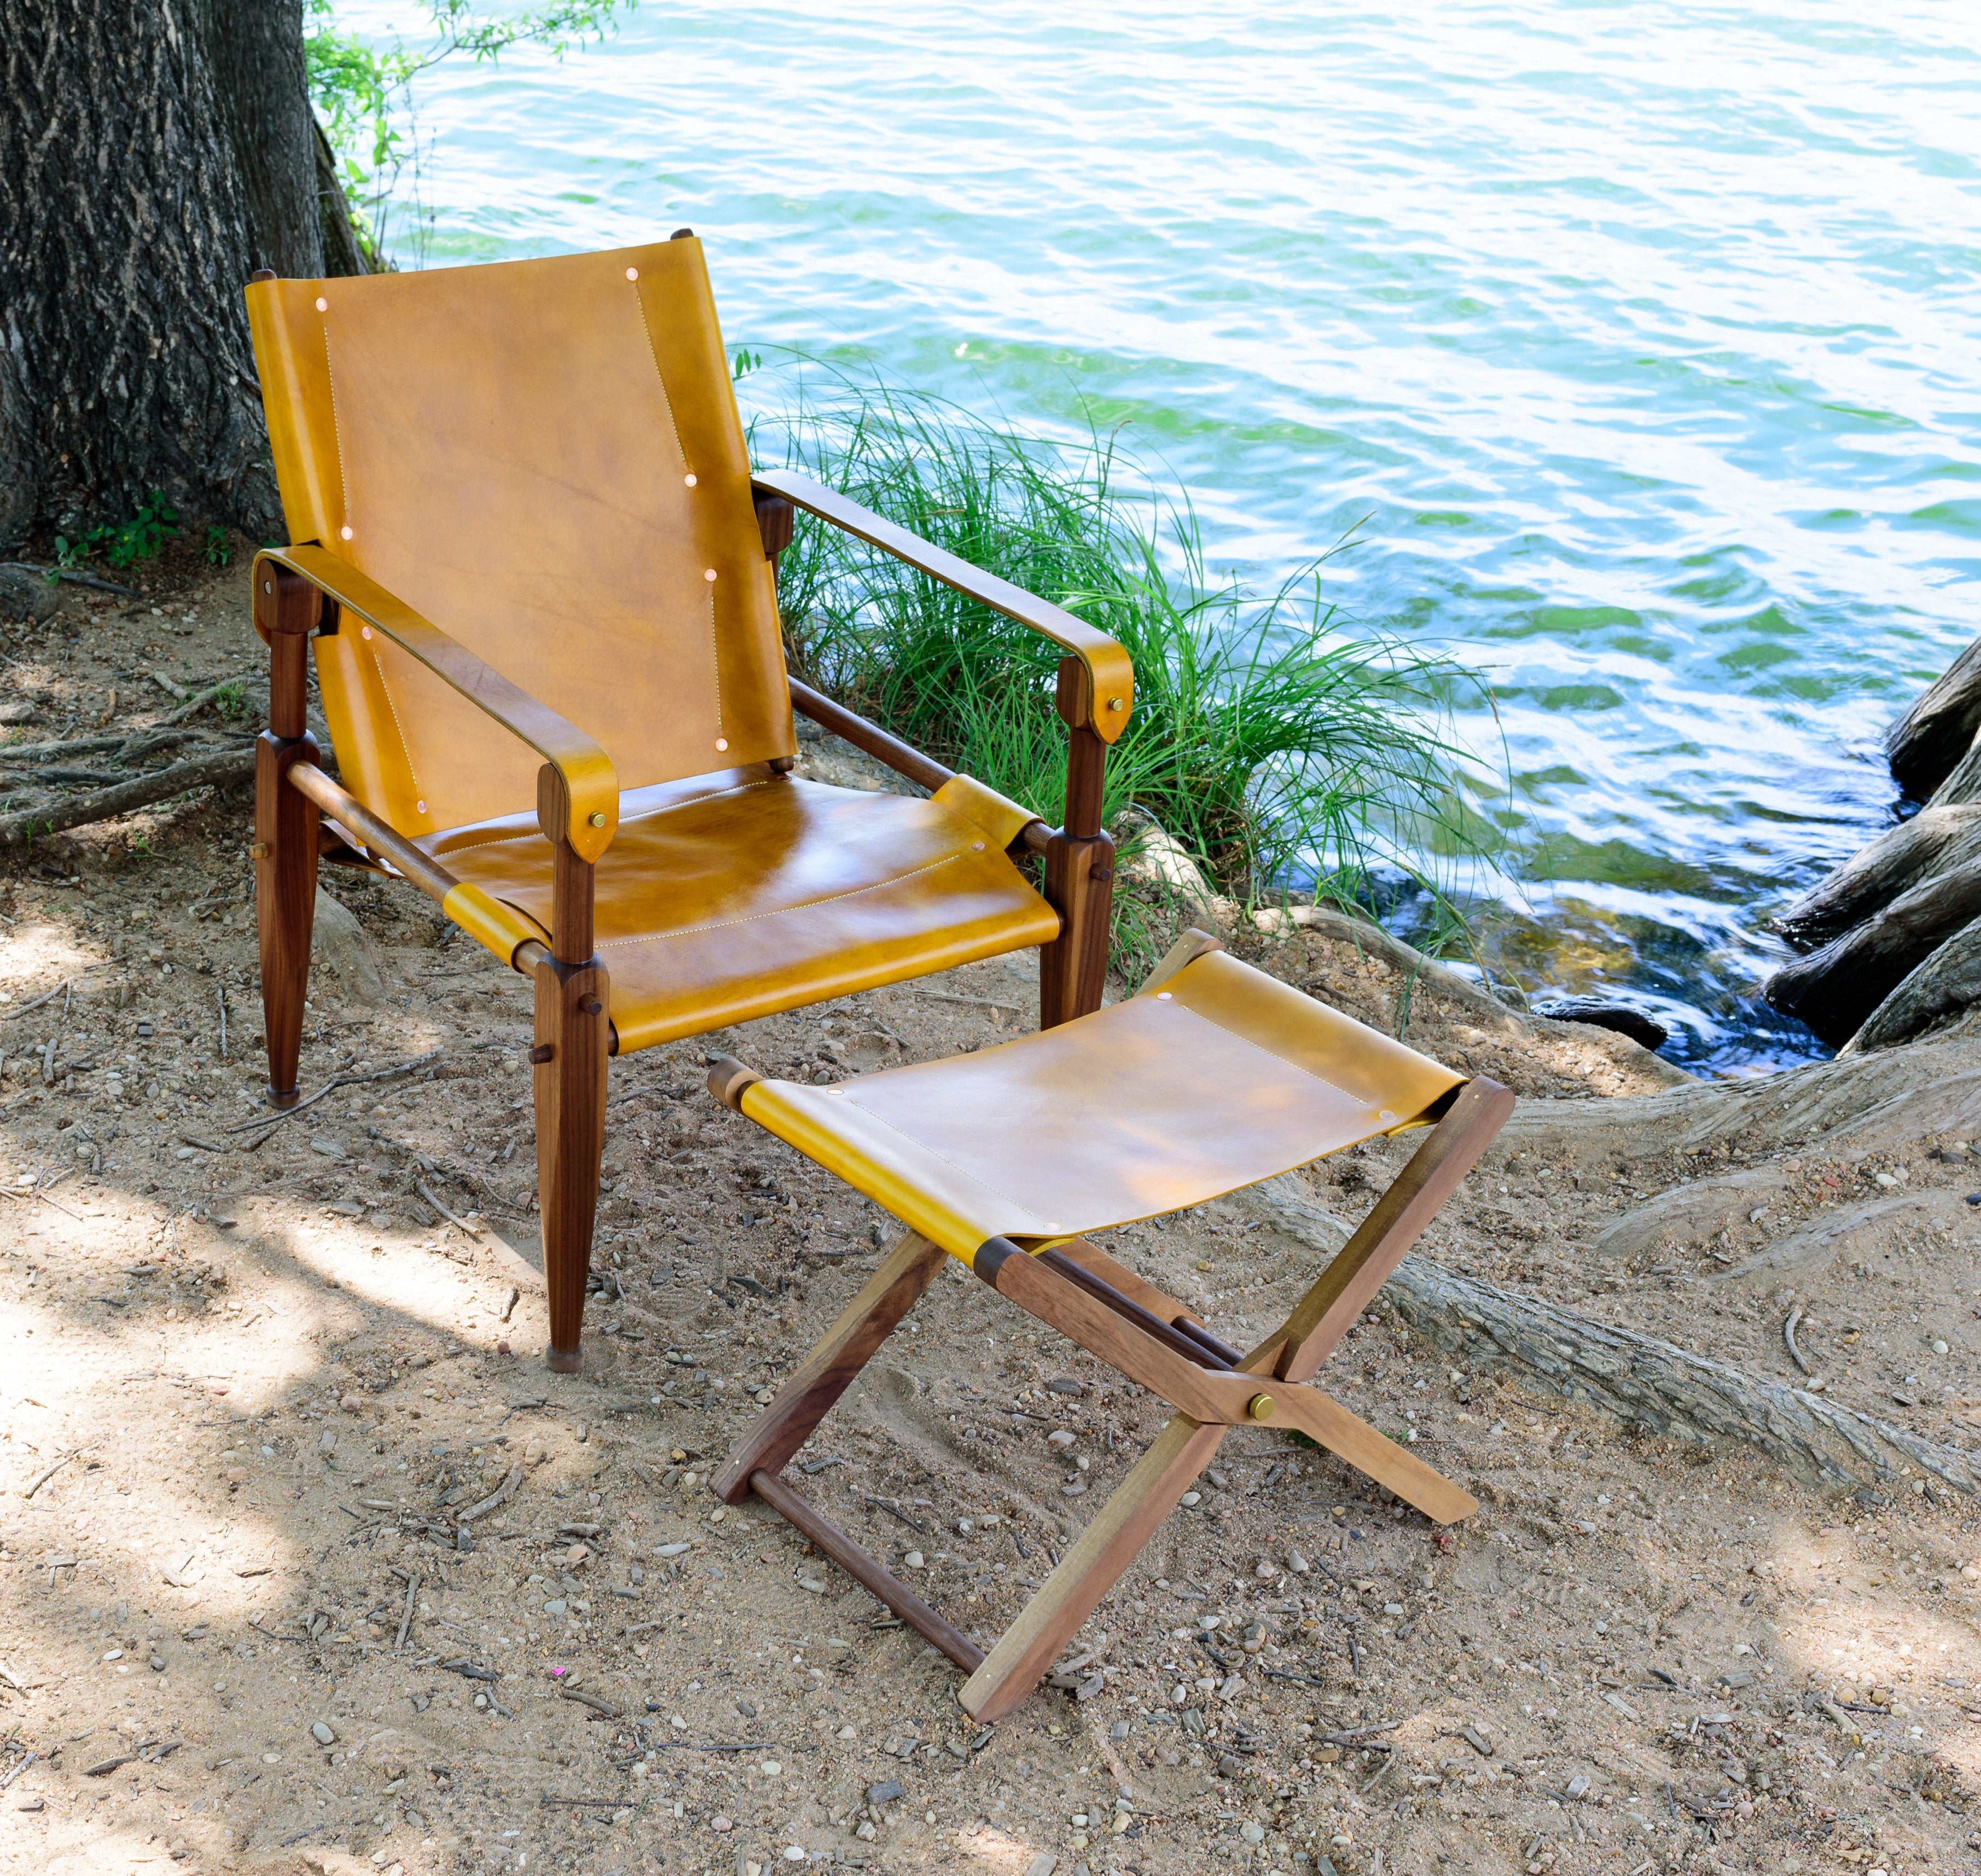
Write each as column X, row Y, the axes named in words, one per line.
column 285, row 859
column 569, row 1061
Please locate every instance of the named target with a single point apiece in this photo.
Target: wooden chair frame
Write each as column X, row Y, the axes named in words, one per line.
column 304, row 592
column 1152, row 1340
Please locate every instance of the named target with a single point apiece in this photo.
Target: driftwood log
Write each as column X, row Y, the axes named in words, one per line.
column 1935, row 840
column 1947, row 984
column 1927, row 743
column 1835, row 989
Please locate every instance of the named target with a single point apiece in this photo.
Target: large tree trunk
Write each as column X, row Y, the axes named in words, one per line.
column 153, row 153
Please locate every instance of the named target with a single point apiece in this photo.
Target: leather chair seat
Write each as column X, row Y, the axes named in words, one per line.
column 1218, row 1078
column 736, row 895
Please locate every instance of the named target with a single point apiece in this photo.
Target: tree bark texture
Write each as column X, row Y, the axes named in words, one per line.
column 153, row 153
column 1945, row 985
column 1636, row 1378
column 1935, row 841
column 1836, row 989
column 1932, row 737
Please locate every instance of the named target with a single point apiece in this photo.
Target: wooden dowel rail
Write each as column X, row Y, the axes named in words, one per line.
column 1171, row 1336
column 904, row 758
column 344, row 807
column 868, row 1572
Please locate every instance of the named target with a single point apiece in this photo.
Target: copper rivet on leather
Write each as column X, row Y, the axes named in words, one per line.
column 721, row 743
column 709, row 574
column 346, row 532
column 323, row 306
column 632, row 273
column 688, row 480
column 365, row 633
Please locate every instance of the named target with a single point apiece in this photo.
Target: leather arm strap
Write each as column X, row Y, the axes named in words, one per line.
column 1112, row 690
column 590, row 785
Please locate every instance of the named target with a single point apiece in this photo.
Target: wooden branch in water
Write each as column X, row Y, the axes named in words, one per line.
column 1935, row 841
column 1929, row 741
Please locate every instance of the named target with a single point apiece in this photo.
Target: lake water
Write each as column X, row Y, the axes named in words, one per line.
column 1645, row 336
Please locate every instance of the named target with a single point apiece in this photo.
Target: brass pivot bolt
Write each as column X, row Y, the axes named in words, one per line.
column 1259, row 1407
column 1114, row 703
column 598, row 820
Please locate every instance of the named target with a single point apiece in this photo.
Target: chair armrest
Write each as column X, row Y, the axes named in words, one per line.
column 1112, row 685
column 592, row 787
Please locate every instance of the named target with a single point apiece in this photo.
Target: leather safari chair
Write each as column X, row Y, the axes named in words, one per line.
column 539, row 578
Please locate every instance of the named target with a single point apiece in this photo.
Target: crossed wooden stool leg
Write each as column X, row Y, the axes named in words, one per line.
column 1146, row 1336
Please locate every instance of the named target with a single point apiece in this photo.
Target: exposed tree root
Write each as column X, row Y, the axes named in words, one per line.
column 1641, row 1380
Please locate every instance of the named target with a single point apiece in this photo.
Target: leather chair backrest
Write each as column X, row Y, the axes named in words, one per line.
column 545, row 459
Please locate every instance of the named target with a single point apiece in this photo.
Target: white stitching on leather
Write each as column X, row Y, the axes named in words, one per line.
column 652, row 352
column 412, row 775
column 336, row 429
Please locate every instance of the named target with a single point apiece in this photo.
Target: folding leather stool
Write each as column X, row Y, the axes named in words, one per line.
column 1213, row 1076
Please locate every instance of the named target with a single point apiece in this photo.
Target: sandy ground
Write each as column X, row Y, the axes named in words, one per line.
column 253, row 1381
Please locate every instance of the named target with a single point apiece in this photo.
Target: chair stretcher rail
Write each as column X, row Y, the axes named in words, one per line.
column 344, row 807
column 868, row 1572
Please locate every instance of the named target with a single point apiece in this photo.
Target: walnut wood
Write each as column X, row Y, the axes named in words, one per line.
column 1073, row 968
column 1087, row 755
column 867, row 1571
column 1212, row 1396
column 1145, row 1319
column 728, row 1080
column 571, row 877
column 1132, row 1284
column 825, row 1374
column 352, row 815
column 570, row 1090
column 775, row 521
column 902, row 758
column 1112, row 1541
column 285, row 868
column 1395, row 1222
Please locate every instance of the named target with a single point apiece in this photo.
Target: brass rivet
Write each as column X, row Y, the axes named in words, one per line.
column 260, row 850
column 365, row 631
column 346, row 532
column 1385, row 1115
column 268, row 586
column 709, row 574
column 977, row 846
column 721, row 743
column 419, row 807
column 597, row 821
column 1162, row 996
column 1259, row 1407
column 632, row 273
column 323, row 306
column 1114, row 703
column 689, row 480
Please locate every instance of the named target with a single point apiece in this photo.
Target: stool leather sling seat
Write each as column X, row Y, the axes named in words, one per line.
column 539, row 577
column 1213, row 1076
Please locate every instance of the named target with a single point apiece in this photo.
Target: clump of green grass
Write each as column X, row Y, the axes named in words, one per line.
column 1281, row 752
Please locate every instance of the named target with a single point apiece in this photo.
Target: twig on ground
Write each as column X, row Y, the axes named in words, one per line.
column 912, row 1524
column 426, row 1192
column 1788, row 1336
column 406, row 1615
column 45, row 1477
column 47, row 996
column 331, row 1088
column 496, row 1497
column 220, row 991
column 603, row 1708
column 74, row 576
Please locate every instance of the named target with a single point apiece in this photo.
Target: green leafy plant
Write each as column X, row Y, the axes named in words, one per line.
column 231, row 700
column 363, row 92
column 1277, row 748
column 219, row 547
column 141, row 538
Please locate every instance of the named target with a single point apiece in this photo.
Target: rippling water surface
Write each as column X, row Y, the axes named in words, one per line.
column 1645, row 336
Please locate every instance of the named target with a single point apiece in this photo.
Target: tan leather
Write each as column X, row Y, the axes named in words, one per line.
column 1221, row 1078
column 506, row 450
column 365, row 609
column 732, row 895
